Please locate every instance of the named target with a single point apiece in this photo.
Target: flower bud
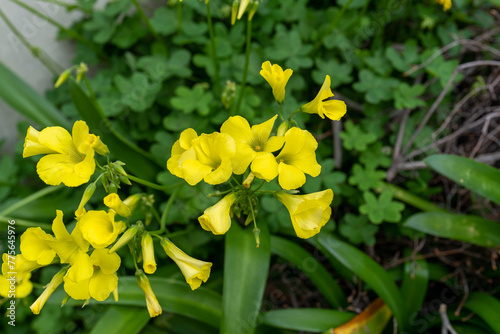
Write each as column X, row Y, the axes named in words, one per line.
column 248, row 181
column 132, row 201
column 148, row 254
column 254, row 4
column 62, row 78
column 234, row 11
column 80, row 71
column 37, row 306
column 87, row 194
column 152, row 303
column 114, row 202
column 125, row 238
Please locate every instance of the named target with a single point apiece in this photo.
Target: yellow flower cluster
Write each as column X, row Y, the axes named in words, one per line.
column 446, row 4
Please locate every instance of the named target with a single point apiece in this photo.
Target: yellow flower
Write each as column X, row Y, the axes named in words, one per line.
column 37, row 306
column 148, row 254
column 182, row 150
column 446, row 4
column 67, row 246
column 152, row 304
column 114, row 202
column 216, row 218
column 211, row 162
column 35, row 248
column 309, row 213
column 20, row 289
column 324, row 105
column 194, row 271
column 102, row 281
column 250, row 142
column 296, row 158
column 19, row 265
column 68, row 159
column 277, row 78
column 99, row 228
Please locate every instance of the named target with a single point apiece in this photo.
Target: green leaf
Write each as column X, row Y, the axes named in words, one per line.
column 486, row 307
column 164, row 21
column 119, row 319
column 137, row 161
column 357, row 229
column 306, row 319
column 366, row 179
column 378, row 63
column 129, row 32
column 329, row 177
column 340, row 73
column 441, row 68
column 138, row 92
column 353, row 138
column 478, row 177
column 245, row 277
column 189, row 100
column 375, row 156
column 174, row 296
column 404, row 61
column 21, row 97
column 406, row 96
column 159, row 68
column 381, row 209
column 368, row 270
column 320, row 277
column 101, row 26
column 376, row 89
column 472, row 229
column 414, row 286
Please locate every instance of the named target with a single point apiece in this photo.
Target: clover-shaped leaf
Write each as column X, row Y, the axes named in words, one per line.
column 138, row 92
column 375, row 156
column 287, row 45
column 365, row 179
column 129, row 32
column 406, row 96
column 382, row 208
column 353, row 138
column 164, row 21
column 357, row 229
column 378, row 63
column 159, row 68
column 101, row 26
column 339, row 73
column 189, row 100
column 376, row 88
column 403, row 61
column 441, row 68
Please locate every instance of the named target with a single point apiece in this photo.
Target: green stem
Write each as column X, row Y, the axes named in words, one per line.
column 170, row 202
column 236, row 107
column 144, row 17
column 260, row 186
column 70, row 32
column 411, row 199
column 290, row 117
column 25, row 223
column 255, row 230
column 279, row 112
column 40, row 193
column 179, row 17
column 150, row 184
column 45, row 59
column 217, row 84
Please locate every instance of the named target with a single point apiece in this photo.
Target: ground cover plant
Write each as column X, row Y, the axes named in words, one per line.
column 258, row 167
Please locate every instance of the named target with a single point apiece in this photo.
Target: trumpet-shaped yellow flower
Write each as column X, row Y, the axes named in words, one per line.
column 37, row 306
column 114, row 202
column 195, row 271
column 99, row 228
column 324, row 104
column 148, row 254
column 35, row 248
column 182, row 150
column 22, row 288
column 251, row 142
column 67, row 246
column 309, row 213
column 68, row 159
column 152, row 304
column 217, row 218
column 277, row 78
column 446, row 4
column 101, row 283
column 213, row 159
column 296, row 158
column 19, row 265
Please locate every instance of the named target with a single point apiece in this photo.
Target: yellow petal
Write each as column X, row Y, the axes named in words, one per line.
column 77, row 290
column 114, row 202
column 264, row 166
column 107, row 262
column 148, row 254
column 81, row 268
column 273, row 144
column 80, row 134
column 194, row 171
column 101, row 285
column 221, row 174
column 261, row 132
column 32, row 146
column 290, row 177
column 58, row 139
column 99, row 228
column 216, row 218
column 238, row 128
column 334, row 109
column 35, row 248
column 186, row 138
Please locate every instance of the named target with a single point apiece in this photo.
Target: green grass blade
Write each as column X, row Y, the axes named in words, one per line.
column 137, row 161
column 486, row 307
column 472, row 229
column 306, row 319
column 25, row 100
column 245, row 276
column 414, row 286
column 368, row 270
column 122, row 320
column 478, row 177
column 306, row 262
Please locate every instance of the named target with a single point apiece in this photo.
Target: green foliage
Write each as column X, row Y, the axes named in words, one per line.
column 355, row 139
column 358, row 230
column 382, row 208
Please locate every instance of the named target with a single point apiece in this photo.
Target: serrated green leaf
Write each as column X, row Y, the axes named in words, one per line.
column 366, row 179
column 382, row 208
column 472, row 229
column 353, row 138
column 406, row 96
column 478, row 177
column 376, row 89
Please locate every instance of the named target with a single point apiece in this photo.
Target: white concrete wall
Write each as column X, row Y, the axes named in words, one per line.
column 19, row 59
